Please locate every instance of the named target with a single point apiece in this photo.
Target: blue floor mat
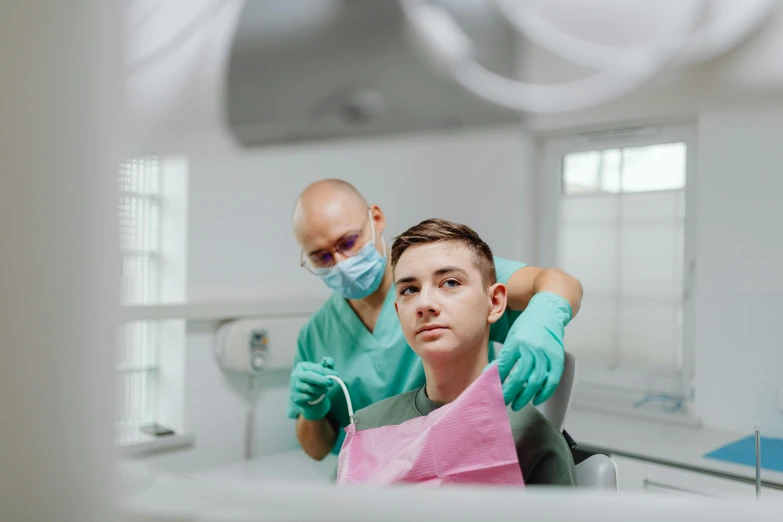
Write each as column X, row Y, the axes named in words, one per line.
column 743, row 452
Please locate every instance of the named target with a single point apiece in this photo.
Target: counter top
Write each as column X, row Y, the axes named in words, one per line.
column 676, row 446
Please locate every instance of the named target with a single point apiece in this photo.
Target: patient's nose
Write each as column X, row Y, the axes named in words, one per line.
column 426, row 304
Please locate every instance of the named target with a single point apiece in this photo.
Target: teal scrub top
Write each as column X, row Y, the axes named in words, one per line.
column 374, row 365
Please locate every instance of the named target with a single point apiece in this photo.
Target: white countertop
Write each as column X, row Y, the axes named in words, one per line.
column 654, row 441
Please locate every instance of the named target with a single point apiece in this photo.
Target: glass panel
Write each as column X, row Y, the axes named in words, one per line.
column 138, row 344
column 599, row 209
column 139, row 281
column 136, row 379
column 139, row 223
column 649, row 334
column 140, row 176
column 651, row 207
column 592, row 171
column 580, row 172
column 650, row 265
column 610, row 170
column 139, row 220
column 135, row 404
column 654, row 167
column 589, row 254
column 591, row 334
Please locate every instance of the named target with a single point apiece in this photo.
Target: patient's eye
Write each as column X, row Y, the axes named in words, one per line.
column 451, row 283
column 407, row 290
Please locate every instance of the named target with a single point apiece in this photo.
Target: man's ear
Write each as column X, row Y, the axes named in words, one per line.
column 378, row 219
column 497, row 302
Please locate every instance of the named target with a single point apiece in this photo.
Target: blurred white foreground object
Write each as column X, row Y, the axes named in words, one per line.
column 192, row 499
column 59, row 259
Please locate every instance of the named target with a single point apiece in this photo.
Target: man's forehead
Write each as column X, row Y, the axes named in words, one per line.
column 327, row 225
column 424, row 259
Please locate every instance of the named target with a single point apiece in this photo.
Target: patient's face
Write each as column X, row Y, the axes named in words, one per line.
column 441, row 300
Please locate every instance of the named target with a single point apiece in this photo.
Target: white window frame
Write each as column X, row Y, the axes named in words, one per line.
column 624, row 382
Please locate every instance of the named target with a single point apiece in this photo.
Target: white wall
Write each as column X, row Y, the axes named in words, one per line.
column 241, row 201
column 241, row 247
column 739, row 279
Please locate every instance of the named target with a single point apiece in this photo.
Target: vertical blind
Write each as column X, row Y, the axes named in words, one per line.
column 139, row 219
column 622, row 223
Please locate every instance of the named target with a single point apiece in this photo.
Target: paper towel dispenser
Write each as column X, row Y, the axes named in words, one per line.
column 252, row 346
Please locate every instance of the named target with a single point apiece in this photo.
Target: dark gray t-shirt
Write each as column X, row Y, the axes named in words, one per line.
column 544, row 456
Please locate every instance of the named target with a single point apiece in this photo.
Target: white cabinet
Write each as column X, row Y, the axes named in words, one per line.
column 637, row 475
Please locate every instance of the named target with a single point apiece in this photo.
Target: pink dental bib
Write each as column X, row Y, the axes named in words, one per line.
column 468, row 441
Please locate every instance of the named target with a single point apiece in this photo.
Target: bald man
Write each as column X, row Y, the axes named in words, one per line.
column 356, row 334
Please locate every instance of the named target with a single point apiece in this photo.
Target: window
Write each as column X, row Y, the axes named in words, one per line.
column 632, row 169
column 139, row 213
column 140, row 234
column 619, row 219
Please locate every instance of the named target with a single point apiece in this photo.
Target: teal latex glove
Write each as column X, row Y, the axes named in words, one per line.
column 308, row 384
column 531, row 361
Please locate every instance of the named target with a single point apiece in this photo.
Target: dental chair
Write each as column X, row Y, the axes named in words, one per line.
column 597, row 471
column 555, row 408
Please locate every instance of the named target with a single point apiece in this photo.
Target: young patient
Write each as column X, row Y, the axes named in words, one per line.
column 446, row 299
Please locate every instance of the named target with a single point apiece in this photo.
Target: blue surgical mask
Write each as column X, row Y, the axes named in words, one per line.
column 359, row 275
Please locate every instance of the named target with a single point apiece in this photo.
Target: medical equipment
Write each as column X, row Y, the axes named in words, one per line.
column 310, row 384
column 326, row 69
column 328, row 362
column 340, row 382
column 446, row 46
column 727, row 24
column 620, row 70
column 758, row 461
column 429, row 64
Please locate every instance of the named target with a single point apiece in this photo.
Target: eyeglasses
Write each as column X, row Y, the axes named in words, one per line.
column 349, row 245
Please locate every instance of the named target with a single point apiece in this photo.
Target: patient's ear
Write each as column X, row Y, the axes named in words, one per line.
column 497, row 302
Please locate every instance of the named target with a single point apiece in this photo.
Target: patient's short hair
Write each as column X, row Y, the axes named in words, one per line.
column 436, row 230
